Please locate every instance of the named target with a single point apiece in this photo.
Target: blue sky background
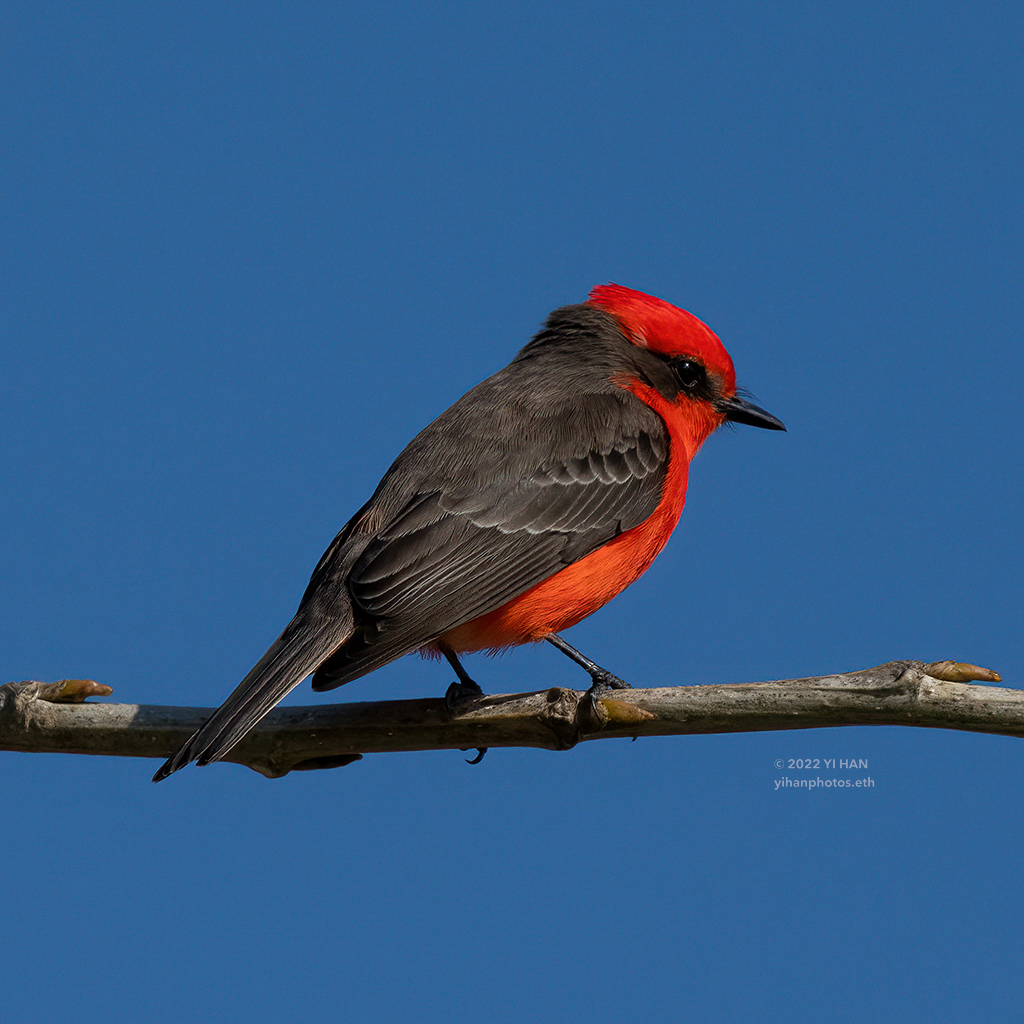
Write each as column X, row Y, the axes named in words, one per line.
column 248, row 250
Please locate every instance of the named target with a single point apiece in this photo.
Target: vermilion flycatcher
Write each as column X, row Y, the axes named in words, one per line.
column 534, row 500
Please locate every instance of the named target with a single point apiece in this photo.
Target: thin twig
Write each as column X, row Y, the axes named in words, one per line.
column 303, row 738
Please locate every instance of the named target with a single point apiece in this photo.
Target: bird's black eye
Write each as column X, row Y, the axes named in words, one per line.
column 689, row 373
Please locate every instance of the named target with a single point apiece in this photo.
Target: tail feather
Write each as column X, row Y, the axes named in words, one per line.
column 305, row 643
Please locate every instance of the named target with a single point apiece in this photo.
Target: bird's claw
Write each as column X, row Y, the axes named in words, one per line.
column 458, row 692
column 604, row 681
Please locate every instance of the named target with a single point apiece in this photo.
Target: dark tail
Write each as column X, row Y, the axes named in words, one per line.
column 307, row 641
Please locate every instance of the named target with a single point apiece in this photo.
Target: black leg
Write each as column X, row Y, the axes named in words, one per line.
column 603, row 679
column 465, row 687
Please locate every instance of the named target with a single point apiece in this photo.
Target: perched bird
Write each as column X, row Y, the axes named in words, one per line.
column 531, row 502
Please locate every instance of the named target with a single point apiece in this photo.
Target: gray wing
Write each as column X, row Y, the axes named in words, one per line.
column 462, row 544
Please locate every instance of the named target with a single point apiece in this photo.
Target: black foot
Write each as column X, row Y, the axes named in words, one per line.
column 464, row 688
column 603, row 679
column 458, row 692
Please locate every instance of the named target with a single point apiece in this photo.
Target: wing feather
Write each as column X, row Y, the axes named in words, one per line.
column 452, row 552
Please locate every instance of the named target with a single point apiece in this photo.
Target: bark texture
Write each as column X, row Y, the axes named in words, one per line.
column 54, row 717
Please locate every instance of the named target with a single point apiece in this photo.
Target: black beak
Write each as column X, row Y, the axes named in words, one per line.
column 739, row 410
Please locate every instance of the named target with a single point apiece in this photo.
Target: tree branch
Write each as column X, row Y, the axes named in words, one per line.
column 51, row 718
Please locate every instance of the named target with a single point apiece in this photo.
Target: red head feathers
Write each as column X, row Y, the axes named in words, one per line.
column 662, row 327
